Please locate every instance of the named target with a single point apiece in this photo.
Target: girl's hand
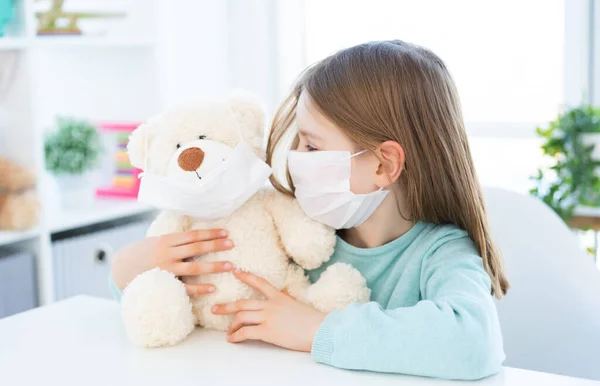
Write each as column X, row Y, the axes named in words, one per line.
column 169, row 252
column 280, row 319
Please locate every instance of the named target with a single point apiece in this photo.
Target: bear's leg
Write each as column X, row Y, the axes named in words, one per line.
column 339, row 286
column 157, row 310
column 297, row 283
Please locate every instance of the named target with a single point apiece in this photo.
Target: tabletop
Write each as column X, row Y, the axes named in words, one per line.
column 82, row 341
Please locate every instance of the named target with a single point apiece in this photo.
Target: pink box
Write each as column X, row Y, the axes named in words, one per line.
column 115, row 140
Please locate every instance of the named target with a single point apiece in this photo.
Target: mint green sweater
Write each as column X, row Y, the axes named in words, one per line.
column 431, row 312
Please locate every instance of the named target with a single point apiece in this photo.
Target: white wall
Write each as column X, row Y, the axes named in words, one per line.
column 192, row 43
column 208, row 47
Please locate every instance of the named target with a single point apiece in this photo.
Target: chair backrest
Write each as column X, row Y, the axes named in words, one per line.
column 550, row 317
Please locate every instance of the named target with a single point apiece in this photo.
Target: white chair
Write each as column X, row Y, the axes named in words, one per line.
column 551, row 316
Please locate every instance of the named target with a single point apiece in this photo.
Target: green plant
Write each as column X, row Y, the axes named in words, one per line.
column 570, row 179
column 73, row 148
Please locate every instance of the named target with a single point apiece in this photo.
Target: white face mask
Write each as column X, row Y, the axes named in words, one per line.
column 226, row 186
column 322, row 181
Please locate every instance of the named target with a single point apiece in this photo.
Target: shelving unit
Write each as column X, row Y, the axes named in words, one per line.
column 13, row 43
column 82, row 41
column 100, row 211
column 8, row 238
column 115, row 77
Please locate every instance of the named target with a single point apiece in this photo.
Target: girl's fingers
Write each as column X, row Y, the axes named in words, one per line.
column 194, row 236
column 237, row 306
column 199, row 289
column 194, row 268
column 200, row 248
column 258, row 283
column 246, row 333
column 245, row 318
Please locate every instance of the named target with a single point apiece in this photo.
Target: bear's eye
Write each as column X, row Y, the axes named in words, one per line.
column 202, row 137
column 178, row 145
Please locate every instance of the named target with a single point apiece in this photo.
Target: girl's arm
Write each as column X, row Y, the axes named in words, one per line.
column 453, row 333
column 170, row 252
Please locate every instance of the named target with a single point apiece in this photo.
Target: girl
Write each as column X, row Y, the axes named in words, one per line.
column 384, row 118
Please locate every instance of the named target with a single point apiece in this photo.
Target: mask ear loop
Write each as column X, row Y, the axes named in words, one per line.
column 363, row 152
column 358, row 153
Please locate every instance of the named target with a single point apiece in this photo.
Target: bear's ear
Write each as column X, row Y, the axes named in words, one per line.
column 136, row 148
column 250, row 115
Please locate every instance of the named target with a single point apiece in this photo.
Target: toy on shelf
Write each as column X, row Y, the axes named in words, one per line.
column 125, row 182
column 19, row 205
column 55, row 21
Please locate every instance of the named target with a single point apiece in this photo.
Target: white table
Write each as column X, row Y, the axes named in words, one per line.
column 81, row 341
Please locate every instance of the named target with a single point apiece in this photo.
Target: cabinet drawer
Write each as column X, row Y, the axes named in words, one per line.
column 82, row 263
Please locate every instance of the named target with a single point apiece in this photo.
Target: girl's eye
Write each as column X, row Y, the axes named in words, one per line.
column 178, row 146
column 311, row 148
column 202, row 137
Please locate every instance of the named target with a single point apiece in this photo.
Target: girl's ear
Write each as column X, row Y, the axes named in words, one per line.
column 250, row 115
column 136, row 148
column 392, row 158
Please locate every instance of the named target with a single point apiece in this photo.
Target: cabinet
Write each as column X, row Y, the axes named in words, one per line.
column 18, row 290
column 82, row 262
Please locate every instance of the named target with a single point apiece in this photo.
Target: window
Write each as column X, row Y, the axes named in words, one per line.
column 505, row 56
column 507, row 59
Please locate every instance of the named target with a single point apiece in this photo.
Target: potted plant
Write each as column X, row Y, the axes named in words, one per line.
column 571, row 146
column 71, row 153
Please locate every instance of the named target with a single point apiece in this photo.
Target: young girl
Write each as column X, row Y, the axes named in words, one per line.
column 386, row 116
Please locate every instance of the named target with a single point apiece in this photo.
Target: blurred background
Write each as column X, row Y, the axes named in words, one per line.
column 77, row 76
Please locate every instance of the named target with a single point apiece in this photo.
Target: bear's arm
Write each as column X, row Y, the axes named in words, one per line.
column 306, row 241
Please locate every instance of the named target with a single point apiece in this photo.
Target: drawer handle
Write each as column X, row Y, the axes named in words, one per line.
column 101, row 255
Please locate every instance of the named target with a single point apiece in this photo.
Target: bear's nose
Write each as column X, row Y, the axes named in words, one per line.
column 191, row 159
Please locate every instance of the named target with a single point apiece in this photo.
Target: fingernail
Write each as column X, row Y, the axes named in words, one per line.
column 227, row 266
column 223, row 233
column 237, row 270
column 214, row 309
column 211, row 289
column 228, row 243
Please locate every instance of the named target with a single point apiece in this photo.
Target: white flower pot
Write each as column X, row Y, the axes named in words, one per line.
column 75, row 189
column 50, row 193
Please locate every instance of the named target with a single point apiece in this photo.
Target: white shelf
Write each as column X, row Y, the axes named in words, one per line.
column 7, row 237
column 13, row 43
column 100, row 210
column 89, row 41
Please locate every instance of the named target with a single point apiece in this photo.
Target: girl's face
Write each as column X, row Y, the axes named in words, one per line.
column 317, row 133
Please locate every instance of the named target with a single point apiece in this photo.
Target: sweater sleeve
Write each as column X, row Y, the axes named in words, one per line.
column 114, row 290
column 452, row 333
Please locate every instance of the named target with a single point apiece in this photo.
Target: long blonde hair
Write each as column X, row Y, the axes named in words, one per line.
column 393, row 90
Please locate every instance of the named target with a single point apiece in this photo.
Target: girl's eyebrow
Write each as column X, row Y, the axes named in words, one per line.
column 307, row 134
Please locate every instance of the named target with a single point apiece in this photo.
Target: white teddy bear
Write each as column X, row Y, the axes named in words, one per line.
column 215, row 148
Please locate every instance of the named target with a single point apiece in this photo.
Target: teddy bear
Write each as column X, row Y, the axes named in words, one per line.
column 19, row 204
column 203, row 168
